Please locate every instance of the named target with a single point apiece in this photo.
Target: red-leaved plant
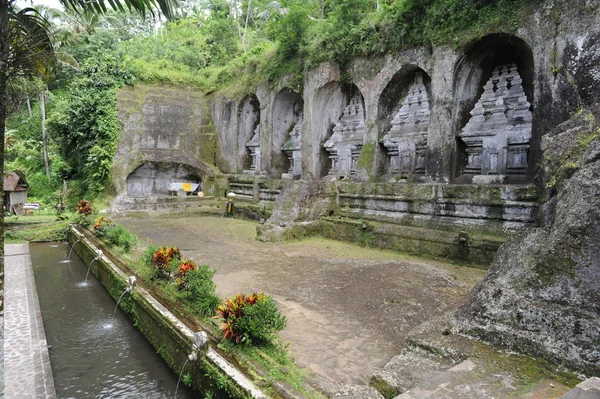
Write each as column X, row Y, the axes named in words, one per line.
column 163, row 257
column 184, row 268
column 84, row 207
column 101, row 224
column 232, row 310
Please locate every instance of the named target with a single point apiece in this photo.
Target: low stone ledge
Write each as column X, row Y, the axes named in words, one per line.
column 27, row 370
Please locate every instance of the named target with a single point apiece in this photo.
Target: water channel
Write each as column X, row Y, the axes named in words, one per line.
column 90, row 357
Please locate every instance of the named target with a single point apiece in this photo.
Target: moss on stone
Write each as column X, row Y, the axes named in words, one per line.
column 366, row 159
column 385, row 389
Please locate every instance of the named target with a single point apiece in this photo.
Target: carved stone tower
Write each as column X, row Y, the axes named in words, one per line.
column 345, row 143
column 406, row 142
column 498, row 134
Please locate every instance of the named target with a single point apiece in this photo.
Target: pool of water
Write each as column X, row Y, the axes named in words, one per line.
column 92, row 357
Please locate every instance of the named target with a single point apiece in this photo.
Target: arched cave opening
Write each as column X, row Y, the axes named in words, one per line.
column 158, row 178
column 249, row 134
column 403, row 122
column 288, row 111
column 345, row 140
column 493, row 118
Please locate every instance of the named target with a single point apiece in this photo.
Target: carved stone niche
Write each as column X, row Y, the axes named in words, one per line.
column 345, row 143
column 293, row 150
column 498, row 135
column 254, row 147
column 406, row 142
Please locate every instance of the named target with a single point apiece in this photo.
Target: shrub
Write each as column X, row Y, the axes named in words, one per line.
column 85, row 207
column 121, row 237
column 165, row 260
column 147, row 257
column 202, row 289
column 184, row 268
column 101, row 226
column 253, row 319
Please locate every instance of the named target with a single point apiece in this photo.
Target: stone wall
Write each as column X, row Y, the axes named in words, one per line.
column 544, row 70
column 166, row 136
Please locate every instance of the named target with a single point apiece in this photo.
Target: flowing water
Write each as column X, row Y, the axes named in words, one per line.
column 91, row 359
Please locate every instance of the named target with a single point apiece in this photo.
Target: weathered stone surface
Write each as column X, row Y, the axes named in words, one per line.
column 498, row 134
column 407, row 139
column 541, row 294
column 347, row 139
column 166, row 136
column 409, row 369
column 588, row 389
column 358, row 392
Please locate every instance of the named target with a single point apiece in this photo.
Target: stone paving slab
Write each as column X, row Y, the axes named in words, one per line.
column 27, row 370
column 588, row 389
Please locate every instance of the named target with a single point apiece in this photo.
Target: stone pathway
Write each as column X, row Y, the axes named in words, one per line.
column 27, row 370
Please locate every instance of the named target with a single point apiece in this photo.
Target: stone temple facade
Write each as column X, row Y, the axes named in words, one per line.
column 406, row 141
column 293, row 150
column 498, row 134
column 345, row 143
column 254, row 147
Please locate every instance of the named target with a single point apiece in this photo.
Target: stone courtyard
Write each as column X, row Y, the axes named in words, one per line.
column 349, row 308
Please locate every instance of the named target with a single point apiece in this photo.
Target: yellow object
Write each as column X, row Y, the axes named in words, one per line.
column 186, row 186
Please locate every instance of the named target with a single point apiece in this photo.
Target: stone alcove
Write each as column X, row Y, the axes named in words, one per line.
column 493, row 119
column 154, row 178
column 328, row 105
column 346, row 136
column 286, row 153
column 249, row 134
column 403, row 122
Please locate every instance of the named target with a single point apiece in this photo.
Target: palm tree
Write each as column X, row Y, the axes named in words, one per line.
column 26, row 50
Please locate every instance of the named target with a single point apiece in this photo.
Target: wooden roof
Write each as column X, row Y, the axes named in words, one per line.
column 14, row 181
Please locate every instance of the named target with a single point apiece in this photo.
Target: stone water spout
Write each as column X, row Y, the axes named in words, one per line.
column 71, row 251
column 200, row 339
column 90, row 266
column 130, row 284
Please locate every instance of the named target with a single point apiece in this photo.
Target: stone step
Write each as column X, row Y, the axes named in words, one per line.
column 408, row 370
column 588, row 389
column 469, row 379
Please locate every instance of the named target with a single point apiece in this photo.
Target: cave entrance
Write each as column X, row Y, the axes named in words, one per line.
column 161, row 178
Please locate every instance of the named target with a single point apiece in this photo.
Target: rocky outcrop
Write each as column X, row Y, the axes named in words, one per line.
column 541, row 294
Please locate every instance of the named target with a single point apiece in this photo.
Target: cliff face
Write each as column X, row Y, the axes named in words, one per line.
column 166, row 135
column 541, row 294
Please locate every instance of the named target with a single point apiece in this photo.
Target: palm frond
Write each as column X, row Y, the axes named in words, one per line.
column 167, row 7
column 31, row 51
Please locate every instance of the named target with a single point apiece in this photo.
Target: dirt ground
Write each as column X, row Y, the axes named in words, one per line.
column 348, row 308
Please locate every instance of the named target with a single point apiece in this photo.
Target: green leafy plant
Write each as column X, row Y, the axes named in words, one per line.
column 165, row 260
column 180, row 277
column 253, row 319
column 101, row 226
column 121, row 237
column 202, row 290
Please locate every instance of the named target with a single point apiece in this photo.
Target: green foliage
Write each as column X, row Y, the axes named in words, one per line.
column 86, row 120
column 261, row 321
column 121, row 237
column 202, row 290
column 253, row 319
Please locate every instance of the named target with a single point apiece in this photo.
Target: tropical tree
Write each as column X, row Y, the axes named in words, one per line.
column 26, row 50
